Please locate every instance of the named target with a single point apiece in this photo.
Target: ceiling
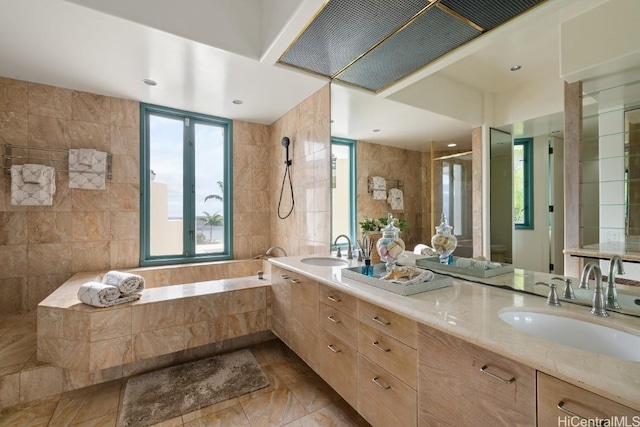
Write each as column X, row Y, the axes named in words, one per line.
column 205, row 54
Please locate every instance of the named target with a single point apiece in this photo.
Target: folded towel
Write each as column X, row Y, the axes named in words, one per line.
column 396, row 199
column 378, row 183
column 98, row 294
column 32, row 174
column 25, row 194
column 476, row 264
column 425, row 276
column 87, row 177
column 127, row 283
column 379, row 194
column 86, row 156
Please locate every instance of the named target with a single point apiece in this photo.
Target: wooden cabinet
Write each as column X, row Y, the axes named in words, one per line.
column 392, row 324
column 339, row 324
column 561, row 403
column 294, row 301
column 463, row 384
column 384, row 400
column 338, row 364
column 339, row 300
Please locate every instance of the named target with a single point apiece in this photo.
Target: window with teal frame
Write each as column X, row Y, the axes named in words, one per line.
column 523, row 183
column 186, row 187
column 343, row 189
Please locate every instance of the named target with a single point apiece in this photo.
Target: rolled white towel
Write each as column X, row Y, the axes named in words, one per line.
column 128, row 283
column 425, row 276
column 98, row 294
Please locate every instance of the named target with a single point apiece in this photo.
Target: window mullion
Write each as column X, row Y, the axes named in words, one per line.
column 188, row 205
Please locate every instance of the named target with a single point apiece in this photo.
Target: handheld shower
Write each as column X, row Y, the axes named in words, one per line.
column 285, row 143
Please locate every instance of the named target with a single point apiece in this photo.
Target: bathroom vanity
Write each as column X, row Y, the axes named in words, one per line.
column 445, row 357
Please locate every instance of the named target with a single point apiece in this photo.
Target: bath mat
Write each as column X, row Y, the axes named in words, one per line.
column 167, row 393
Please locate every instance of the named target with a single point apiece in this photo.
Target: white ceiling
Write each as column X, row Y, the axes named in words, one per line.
column 206, row 53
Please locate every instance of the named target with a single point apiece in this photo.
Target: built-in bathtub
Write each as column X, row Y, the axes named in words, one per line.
column 182, row 307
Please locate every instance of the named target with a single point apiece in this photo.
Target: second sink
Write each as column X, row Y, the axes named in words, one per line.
column 576, row 333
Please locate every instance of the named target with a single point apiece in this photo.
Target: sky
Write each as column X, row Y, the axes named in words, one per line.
column 166, row 160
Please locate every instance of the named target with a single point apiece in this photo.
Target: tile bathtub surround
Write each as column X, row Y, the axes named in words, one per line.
column 167, row 319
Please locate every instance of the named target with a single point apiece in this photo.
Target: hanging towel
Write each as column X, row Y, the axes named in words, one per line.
column 91, row 177
column 127, row 283
column 101, row 295
column 379, row 188
column 396, row 199
column 86, row 156
column 32, row 174
column 24, row 194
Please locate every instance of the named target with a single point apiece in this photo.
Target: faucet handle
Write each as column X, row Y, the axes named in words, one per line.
column 568, row 289
column 552, row 298
column 338, row 253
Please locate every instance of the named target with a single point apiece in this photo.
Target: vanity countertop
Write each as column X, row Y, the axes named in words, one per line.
column 470, row 311
column 628, row 251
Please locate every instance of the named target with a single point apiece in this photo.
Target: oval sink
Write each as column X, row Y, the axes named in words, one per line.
column 576, row 333
column 325, row 262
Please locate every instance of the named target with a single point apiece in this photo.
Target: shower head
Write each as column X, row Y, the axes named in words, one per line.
column 285, row 142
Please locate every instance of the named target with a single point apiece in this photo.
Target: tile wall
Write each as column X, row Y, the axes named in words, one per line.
column 308, row 127
column 395, row 163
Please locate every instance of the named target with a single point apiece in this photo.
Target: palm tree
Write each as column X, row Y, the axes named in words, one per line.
column 217, row 196
column 212, row 220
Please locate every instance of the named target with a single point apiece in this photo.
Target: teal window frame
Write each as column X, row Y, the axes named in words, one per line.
column 527, row 168
column 353, row 174
column 189, row 221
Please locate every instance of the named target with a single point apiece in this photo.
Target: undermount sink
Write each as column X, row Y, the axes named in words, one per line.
column 576, row 333
column 325, row 262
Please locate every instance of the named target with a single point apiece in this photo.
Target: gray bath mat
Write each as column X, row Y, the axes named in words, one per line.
column 161, row 395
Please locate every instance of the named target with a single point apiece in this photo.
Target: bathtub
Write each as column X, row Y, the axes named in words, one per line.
column 182, row 307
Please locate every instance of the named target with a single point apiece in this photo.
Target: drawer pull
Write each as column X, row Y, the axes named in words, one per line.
column 484, row 371
column 284, row 276
column 333, row 299
column 382, row 322
column 377, row 345
column 564, row 410
column 334, row 320
column 332, row 348
column 294, row 281
column 379, row 384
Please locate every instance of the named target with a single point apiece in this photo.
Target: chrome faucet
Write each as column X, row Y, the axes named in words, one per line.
column 568, row 289
column 552, row 298
column 268, row 252
column 612, row 293
column 349, row 252
column 598, row 307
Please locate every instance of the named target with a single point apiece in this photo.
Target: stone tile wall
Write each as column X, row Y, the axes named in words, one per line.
column 307, row 230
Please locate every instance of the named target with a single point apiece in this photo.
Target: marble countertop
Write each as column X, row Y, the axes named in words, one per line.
column 628, row 251
column 470, row 311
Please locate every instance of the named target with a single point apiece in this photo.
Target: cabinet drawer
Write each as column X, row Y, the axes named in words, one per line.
column 337, row 299
column 452, row 373
column 392, row 355
column 392, row 324
column 383, row 400
column 339, row 324
column 338, row 365
column 555, row 395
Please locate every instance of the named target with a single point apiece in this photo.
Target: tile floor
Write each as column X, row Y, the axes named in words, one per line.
column 296, row 396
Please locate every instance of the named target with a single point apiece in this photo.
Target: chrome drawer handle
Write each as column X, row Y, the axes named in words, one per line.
column 562, row 409
column 332, row 348
column 294, row 281
column 484, row 371
column 333, row 299
column 382, row 322
column 384, row 387
column 334, row 320
column 284, row 276
column 377, row 345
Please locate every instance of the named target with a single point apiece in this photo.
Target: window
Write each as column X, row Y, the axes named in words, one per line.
column 186, row 186
column 523, row 183
column 343, row 188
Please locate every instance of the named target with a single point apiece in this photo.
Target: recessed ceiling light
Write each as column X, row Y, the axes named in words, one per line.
column 516, row 67
column 149, row 82
column 376, row 130
column 452, row 145
column 237, row 101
